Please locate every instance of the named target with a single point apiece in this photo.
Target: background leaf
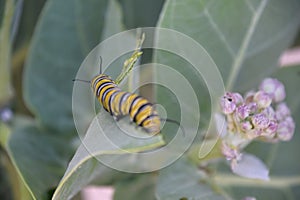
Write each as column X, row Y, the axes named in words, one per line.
column 237, row 34
column 64, row 35
column 141, row 13
column 25, row 19
column 141, row 186
column 5, row 51
column 29, row 12
column 40, row 158
column 182, row 180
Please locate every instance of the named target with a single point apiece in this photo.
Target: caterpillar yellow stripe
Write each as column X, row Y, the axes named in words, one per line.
column 119, row 103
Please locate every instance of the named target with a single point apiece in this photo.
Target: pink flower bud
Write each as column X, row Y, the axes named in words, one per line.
column 272, row 128
column 274, row 88
column 229, row 152
column 262, row 99
column 243, row 111
column 282, row 111
column 286, row 129
column 246, row 126
column 260, row 121
column 252, row 106
column 270, row 113
column 253, row 133
column 249, row 96
column 237, row 97
column 229, row 102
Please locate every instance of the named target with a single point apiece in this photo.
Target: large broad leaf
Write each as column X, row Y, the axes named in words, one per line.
column 5, row 51
column 66, row 32
column 105, row 144
column 244, row 38
column 141, row 13
column 40, row 158
column 183, row 180
column 281, row 158
column 25, row 21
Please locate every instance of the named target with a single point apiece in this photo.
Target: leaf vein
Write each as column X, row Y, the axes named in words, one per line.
column 238, row 61
column 218, row 31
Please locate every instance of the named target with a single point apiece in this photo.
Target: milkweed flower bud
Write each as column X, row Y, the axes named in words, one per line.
column 252, row 106
column 286, row 129
column 229, row 102
column 249, row 96
column 272, row 128
column 230, row 152
column 282, row 111
column 246, row 126
column 269, row 134
column 253, row 133
column 262, row 99
column 238, row 99
column 243, row 111
column 274, row 88
column 270, row 113
column 260, row 121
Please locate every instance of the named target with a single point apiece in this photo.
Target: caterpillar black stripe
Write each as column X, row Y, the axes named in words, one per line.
column 119, row 103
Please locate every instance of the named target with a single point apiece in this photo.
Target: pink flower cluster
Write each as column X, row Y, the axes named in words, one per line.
column 262, row 115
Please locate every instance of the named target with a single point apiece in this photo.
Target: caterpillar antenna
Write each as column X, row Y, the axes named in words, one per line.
column 100, row 65
column 81, row 80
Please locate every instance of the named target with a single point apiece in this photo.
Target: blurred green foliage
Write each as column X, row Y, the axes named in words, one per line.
column 42, row 45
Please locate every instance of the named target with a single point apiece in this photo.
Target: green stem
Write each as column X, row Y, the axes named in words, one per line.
column 276, row 181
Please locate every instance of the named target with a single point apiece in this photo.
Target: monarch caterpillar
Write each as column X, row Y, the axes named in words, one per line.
column 120, row 103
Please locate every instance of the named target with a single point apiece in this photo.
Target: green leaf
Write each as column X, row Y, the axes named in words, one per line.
column 64, row 35
column 113, row 19
column 140, row 187
column 8, row 171
column 4, row 133
column 182, row 180
column 40, row 158
column 290, row 77
column 141, row 13
column 29, row 14
column 5, row 51
column 244, row 38
column 105, row 144
column 5, row 183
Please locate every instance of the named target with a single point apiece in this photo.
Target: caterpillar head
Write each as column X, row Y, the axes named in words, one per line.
column 152, row 125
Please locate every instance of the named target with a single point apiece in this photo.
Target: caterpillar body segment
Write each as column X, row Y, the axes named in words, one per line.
column 119, row 103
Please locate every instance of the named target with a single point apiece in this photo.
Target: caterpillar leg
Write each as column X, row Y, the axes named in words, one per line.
column 117, row 118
